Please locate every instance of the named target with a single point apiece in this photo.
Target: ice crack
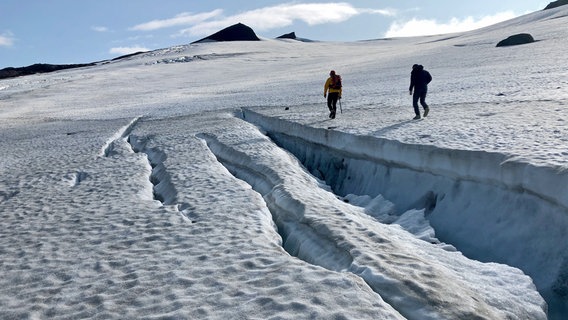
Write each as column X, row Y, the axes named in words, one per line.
column 320, row 230
column 300, row 236
column 164, row 190
column 108, row 149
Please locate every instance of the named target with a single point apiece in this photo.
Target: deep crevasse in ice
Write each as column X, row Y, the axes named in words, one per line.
column 490, row 207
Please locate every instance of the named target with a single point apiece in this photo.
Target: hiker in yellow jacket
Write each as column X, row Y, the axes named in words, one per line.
column 333, row 87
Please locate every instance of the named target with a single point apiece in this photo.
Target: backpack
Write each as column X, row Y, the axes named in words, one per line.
column 335, row 82
column 428, row 76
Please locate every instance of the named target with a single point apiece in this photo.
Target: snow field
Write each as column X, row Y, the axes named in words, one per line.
column 130, row 190
column 103, row 247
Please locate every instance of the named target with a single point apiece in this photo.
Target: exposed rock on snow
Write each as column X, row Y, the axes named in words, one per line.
column 515, row 40
column 556, row 4
column 291, row 35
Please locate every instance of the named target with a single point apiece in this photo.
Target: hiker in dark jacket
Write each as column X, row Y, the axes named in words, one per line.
column 419, row 79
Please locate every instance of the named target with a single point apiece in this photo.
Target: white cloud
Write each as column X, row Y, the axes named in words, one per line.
column 181, row 19
column 6, row 40
column 100, row 29
column 262, row 19
column 284, row 15
column 383, row 12
column 278, row 16
column 127, row 50
column 422, row 27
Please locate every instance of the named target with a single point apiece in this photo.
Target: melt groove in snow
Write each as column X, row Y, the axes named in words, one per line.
column 164, row 190
column 122, row 133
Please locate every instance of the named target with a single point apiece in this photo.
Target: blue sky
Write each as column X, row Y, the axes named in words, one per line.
column 79, row 31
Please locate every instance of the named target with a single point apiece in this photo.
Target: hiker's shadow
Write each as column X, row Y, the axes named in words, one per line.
column 319, row 122
column 384, row 130
column 380, row 131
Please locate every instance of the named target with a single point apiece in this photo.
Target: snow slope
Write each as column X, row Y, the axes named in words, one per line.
column 206, row 181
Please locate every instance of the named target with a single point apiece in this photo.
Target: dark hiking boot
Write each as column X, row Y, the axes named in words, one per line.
column 333, row 115
column 417, row 117
column 426, row 110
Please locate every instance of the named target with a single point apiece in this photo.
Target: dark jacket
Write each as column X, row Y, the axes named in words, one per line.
column 419, row 79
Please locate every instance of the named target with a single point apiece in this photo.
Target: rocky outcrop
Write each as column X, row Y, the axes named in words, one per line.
column 555, row 4
column 236, row 32
column 291, row 35
column 517, row 39
column 126, row 56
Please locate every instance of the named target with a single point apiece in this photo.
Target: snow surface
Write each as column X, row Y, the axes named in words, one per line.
column 206, row 181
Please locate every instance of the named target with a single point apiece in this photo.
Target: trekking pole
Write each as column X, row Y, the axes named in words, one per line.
column 340, row 109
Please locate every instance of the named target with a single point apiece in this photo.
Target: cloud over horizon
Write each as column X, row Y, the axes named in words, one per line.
column 181, row 19
column 127, row 50
column 422, row 27
column 261, row 19
column 188, row 24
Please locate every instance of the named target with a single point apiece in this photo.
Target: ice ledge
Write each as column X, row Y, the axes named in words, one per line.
column 548, row 183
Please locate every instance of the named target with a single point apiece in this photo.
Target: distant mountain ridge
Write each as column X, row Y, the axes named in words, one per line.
column 38, row 68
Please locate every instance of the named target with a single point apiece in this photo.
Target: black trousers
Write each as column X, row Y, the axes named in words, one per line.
column 419, row 95
column 332, row 98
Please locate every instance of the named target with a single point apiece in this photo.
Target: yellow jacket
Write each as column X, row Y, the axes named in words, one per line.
column 326, row 88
